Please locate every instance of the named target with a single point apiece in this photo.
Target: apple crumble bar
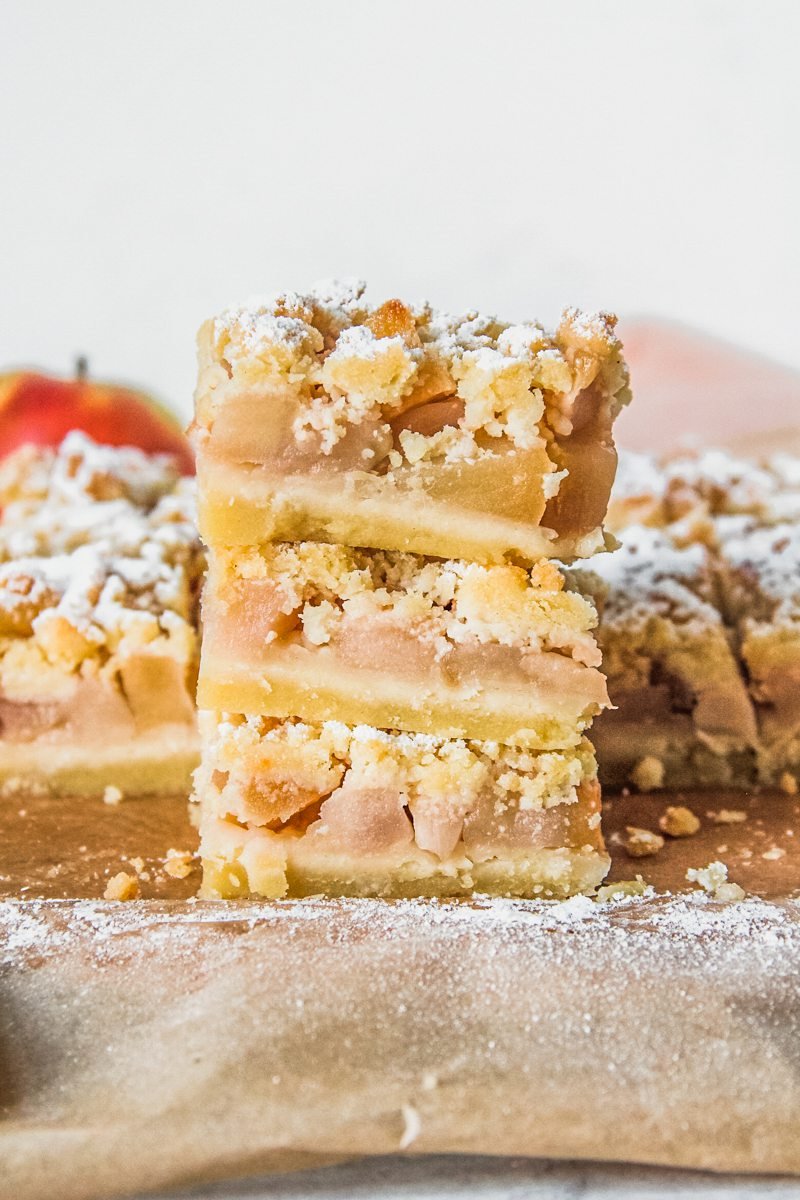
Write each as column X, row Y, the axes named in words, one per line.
column 289, row 808
column 450, row 648
column 759, row 574
column 100, row 566
column 320, row 417
column 687, row 492
column 682, row 715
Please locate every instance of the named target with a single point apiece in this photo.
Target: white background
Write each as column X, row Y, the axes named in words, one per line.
column 161, row 158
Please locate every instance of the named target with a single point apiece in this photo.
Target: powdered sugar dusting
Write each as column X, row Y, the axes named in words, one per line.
column 48, row 927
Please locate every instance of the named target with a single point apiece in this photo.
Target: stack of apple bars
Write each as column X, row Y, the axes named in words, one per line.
column 396, row 676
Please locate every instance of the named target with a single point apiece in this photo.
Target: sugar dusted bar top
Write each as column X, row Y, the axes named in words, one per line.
column 323, row 417
column 448, row 648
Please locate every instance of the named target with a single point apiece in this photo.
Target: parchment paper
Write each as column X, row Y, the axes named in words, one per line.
column 168, row 1041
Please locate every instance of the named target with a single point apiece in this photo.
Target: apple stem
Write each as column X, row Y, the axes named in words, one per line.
column 81, row 367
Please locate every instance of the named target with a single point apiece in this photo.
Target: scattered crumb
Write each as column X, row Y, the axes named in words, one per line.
column 723, row 849
column 179, row 863
column 54, row 871
column 714, row 880
column 625, row 887
column 642, row 843
column 728, row 816
column 648, row 774
column 137, row 864
column 122, row 886
column 412, row 1126
column 774, row 854
column 112, row 795
column 788, row 784
column 23, row 812
column 678, row 822
column 729, row 892
column 430, row 1081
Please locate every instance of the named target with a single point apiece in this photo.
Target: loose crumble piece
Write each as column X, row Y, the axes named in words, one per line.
column 728, row 816
column 122, row 886
column 180, row 863
column 714, row 880
column 678, row 822
column 623, row 889
column 642, row 843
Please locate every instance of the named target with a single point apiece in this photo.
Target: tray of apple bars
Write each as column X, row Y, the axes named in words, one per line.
column 418, row 777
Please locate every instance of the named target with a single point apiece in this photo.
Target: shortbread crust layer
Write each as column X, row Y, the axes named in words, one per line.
column 448, row 648
column 289, row 808
column 319, row 417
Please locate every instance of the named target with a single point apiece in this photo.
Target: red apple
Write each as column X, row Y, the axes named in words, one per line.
column 40, row 409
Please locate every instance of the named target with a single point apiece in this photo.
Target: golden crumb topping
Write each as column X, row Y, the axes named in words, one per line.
column 347, row 362
column 314, row 758
column 453, row 602
column 99, row 558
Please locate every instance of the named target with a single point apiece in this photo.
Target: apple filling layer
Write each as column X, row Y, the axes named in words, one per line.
column 320, row 417
column 448, row 648
column 289, row 808
column 681, row 705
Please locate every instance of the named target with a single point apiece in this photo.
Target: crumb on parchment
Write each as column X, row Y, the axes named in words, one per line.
column 728, row 816
column 642, row 843
column 179, row 863
column 678, row 822
column 714, row 880
column 122, row 886
column 625, row 887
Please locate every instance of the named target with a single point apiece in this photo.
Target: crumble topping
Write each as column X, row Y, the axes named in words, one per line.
column 347, row 361
column 761, row 574
column 453, row 772
column 685, row 491
column 99, row 558
column 454, row 602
